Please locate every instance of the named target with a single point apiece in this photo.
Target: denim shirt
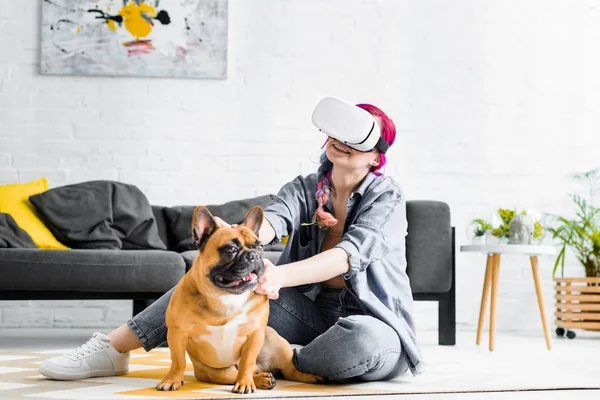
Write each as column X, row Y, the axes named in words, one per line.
column 373, row 237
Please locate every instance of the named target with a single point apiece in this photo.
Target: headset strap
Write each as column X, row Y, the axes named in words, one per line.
column 382, row 145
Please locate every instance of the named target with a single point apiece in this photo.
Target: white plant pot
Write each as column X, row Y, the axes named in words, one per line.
column 491, row 239
column 478, row 240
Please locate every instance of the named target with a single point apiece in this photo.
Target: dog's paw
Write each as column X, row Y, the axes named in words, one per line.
column 266, row 380
column 244, row 385
column 169, row 384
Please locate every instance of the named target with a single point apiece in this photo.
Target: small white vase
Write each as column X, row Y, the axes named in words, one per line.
column 491, row 239
column 478, row 240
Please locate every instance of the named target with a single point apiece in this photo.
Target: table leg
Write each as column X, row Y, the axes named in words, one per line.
column 538, row 290
column 495, row 278
column 485, row 295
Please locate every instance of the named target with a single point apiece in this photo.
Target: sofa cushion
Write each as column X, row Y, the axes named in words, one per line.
column 100, row 215
column 179, row 218
column 161, row 224
column 14, row 200
column 11, row 236
column 189, row 257
column 90, row 270
column 429, row 246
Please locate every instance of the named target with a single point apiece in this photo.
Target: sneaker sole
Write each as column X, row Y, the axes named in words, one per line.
column 61, row 376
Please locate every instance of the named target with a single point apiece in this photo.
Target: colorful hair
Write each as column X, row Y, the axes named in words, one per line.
column 388, row 133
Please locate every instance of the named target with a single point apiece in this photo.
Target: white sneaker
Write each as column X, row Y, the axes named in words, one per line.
column 97, row 357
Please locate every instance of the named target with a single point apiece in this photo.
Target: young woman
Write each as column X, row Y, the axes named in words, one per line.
column 340, row 288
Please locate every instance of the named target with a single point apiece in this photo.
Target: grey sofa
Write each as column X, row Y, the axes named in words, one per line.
column 144, row 275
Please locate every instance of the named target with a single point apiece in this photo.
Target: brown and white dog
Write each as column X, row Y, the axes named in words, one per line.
column 215, row 315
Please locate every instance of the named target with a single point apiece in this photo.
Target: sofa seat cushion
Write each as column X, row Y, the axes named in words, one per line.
column 153, row 271
column 190, row 256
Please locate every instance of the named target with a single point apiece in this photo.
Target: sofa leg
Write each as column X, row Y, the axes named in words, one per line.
column 447, row 320
column 447, row 306
column 139, row 306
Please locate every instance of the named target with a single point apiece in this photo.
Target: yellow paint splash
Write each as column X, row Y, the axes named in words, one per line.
column 134, row 21
column 112, row 25
column 78, row 30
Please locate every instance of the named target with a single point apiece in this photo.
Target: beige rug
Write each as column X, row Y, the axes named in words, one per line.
column 516, row 364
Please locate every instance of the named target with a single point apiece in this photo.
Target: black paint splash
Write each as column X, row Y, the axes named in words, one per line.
column 107, row 17
column 60, row 48
column 163, row 17
column 187, row 27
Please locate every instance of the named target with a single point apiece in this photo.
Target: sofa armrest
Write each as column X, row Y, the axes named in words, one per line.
column 429, row 246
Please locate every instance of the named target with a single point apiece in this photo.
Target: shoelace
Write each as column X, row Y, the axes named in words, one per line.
column 88, row 347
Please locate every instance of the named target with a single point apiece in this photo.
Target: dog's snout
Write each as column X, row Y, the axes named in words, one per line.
column 252, row 256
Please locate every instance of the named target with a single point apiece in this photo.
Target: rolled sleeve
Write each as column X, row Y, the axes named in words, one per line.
column 288, row 207
column 277, row 224
column 377, row 229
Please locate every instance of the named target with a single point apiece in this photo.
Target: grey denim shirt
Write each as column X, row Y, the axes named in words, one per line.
column 374, row 238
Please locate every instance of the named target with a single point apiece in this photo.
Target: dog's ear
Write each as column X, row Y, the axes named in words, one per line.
column 254, row 219
column 203, row 225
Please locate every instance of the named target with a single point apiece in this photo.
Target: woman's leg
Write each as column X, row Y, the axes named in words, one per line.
column 149, row 327
column 357, row 346
column 296, row 317
column 123, row 339
column 104, row 355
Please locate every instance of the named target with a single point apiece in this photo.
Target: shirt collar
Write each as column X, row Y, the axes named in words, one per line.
column 362, row 188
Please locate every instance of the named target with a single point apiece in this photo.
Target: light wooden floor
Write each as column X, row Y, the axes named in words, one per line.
column 519, row 361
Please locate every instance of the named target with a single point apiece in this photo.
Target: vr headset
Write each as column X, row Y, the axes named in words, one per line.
column 349, row 124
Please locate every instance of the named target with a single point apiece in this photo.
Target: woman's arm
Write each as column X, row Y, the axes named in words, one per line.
column 318, row 268
column 266, row 233
column 378, row 228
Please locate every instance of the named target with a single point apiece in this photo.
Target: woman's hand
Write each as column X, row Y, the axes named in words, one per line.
column 271, row 280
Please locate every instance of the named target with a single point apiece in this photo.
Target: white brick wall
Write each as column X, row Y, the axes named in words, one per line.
column 495, row 104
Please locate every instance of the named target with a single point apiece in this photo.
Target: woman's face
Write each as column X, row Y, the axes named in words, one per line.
column 346, row 157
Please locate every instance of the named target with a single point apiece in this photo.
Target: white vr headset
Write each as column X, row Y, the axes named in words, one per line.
column 349, row 124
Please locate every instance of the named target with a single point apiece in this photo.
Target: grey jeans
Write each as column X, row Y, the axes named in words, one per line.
column 339, row 341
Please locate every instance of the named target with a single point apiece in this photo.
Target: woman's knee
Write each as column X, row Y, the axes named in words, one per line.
column 376, row 344
column 369, row 333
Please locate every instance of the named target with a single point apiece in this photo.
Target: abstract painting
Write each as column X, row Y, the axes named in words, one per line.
column 153, row 38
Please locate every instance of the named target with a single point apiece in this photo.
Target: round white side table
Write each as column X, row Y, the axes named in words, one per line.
column 492, row 271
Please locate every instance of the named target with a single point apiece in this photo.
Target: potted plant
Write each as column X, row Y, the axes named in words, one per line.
column 506, row 216
column 479, row 229
column 502, row 231
column 538, row 232
column 578, row 298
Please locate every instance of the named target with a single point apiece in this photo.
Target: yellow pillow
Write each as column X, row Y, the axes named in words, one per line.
column 14, row 200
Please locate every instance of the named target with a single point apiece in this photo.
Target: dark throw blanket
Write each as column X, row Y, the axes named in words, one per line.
column 99, row 215
column 11, row 236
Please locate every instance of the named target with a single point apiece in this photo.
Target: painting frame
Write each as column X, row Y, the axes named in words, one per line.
column 135, row 38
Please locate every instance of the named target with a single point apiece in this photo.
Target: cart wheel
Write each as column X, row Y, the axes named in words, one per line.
column 571, row 334
column 560, row 332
